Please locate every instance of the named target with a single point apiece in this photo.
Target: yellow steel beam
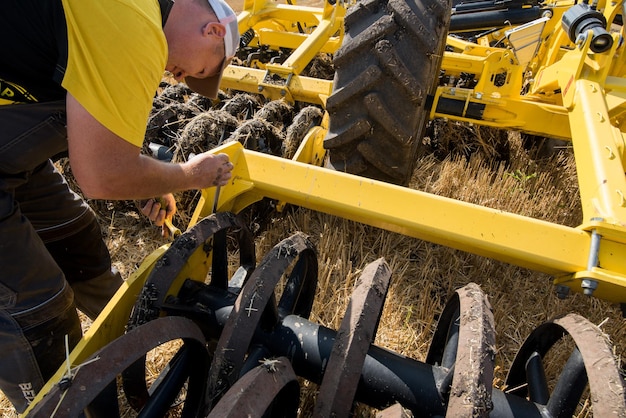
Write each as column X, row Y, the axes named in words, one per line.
column 288, row 14
column 457, row 63
column 523, row 241
column 598, row 147
column 293, row 40
column 298, row 88
column 514, row 113
column 307, row 30
column 598, row 142
column 325, row 38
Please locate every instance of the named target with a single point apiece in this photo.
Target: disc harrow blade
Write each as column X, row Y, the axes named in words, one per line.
column 263, row 347
column 464, row 345
column 94, row 375
column 356, row 332
column 208, row 234
column 250, row 306
column 269, row 390
column 168, row 267
column 591, row 361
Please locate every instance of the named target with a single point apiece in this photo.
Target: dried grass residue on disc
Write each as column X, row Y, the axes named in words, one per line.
column 276, row 112
column 307, row 118
column 259, row 135
column 203, row 133
column 242, row 105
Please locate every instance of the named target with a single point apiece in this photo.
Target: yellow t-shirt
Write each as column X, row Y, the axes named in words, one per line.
column 117, row 53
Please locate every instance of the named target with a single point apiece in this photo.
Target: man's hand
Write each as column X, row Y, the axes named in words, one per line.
column 210, row 169
column 159, row 210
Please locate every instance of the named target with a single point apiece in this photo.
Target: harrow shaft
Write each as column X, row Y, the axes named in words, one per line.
column 386, row 377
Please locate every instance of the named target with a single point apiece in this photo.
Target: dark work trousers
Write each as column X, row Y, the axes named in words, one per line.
column 52, row 256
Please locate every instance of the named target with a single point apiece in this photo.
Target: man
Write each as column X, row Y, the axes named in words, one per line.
column 80, row 75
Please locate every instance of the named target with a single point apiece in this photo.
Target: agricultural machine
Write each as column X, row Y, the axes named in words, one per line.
column 546, row 69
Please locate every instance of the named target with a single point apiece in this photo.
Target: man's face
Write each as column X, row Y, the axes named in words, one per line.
column 198, row 54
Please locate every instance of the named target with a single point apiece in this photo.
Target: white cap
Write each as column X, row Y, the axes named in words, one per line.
column 209, row 86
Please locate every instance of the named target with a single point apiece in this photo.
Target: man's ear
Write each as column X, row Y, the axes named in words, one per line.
column 214, row 29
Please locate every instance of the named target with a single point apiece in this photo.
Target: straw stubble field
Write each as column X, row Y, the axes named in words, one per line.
column 462, row 162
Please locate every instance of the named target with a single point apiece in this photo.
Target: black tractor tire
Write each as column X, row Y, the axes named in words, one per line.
column 386, row 67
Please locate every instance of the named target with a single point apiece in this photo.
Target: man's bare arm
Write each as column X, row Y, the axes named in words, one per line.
column 108, row 167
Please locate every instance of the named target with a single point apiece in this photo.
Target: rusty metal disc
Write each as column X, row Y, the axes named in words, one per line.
column 269, row 390
column 354, row 337
column 253, row 302
column 95, row 374
column 464, row 347
column 169, row 265
column 591, row 361
column 394, row 411
column 209, row 235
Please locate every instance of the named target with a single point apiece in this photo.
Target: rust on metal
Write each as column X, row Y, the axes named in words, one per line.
column 249, row 307
column 470, row 394
column 91, row 378
column 606, row 383
column 209, row 233
column 174, row 259
column 394, row 411
column 271, row 384
column 356, row 332
column 607, row 387
column 471, row 358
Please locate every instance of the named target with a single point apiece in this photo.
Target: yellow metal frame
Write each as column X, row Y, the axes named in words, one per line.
column 561, row 251
column 572, row 93
column 307, row 31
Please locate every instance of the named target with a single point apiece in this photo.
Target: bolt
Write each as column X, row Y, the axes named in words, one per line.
column 589, row 286
column 260, row 88
column 65, row 383
column 562, row 291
